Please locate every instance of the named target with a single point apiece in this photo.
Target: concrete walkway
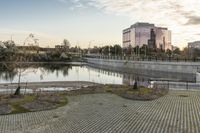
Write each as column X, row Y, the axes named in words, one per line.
column 100, row 113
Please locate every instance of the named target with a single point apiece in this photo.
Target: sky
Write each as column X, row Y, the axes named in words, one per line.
column 95, row 22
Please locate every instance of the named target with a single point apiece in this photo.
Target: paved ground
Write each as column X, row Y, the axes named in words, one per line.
column 109, row 113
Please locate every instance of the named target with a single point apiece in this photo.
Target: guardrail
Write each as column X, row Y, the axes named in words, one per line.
column 176, row 85
column 170, row 59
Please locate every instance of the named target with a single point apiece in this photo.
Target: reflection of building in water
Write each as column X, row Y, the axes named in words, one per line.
column 106, row 72
column 129, row 79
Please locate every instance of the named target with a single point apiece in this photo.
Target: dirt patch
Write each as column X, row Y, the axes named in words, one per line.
column 27, row 103
column 5, row 109
column 124, row 91
column 143, row 94
column 47, row 101
column 39, row 105
column 182, row 95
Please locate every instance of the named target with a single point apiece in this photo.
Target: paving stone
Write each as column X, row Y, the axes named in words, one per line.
column 177, row 112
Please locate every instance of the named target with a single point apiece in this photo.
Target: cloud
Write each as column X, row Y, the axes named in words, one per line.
column 74, row 4
column 181, row 16
column 193, row 20
column 63, row 1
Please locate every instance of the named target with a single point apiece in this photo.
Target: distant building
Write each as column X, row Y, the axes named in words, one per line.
column 152, row 40
column 193, row 48
column 34, row 49
column 59, row 46
column 62, row 47
column 194, row 45
column 146, row 33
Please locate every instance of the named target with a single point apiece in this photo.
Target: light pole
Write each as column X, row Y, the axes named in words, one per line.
column 102, row 49
column 145, row 50
column 139, row 46
column 90, row 42
column 109, row 51
column 115, row 50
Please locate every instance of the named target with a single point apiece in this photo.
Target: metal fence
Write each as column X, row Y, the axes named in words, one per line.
column 176, row 85
column 133, row 58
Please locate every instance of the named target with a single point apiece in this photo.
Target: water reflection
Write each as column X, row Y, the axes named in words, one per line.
column 65, row 72
column 9, row 72
column 129, row 76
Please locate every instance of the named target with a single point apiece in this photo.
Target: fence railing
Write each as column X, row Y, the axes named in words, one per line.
column 176, row 85
column 133, row 58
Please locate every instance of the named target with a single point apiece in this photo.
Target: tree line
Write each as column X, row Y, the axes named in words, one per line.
column 145, row 51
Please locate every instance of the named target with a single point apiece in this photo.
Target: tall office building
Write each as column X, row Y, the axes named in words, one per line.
column 146, row 33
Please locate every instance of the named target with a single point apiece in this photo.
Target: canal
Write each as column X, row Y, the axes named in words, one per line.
column 50, row 72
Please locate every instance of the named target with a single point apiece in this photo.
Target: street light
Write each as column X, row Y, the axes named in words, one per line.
column 145, row 50
column 90, row 42
column 109, row 51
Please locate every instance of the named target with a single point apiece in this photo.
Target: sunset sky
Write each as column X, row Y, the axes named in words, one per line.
column 97, row 21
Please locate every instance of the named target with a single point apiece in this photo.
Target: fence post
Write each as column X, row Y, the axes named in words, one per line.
column 168, row 84
column 194, row 59
column 187, row 87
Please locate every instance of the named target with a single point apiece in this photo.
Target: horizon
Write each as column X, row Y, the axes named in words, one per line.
column 95, row 22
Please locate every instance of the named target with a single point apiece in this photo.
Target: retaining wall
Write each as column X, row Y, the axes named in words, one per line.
column 128, row 65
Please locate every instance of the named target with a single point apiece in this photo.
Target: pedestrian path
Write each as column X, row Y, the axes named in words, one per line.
column 177, row 112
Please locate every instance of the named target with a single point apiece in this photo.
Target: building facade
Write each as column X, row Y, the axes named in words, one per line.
column 146, row 33
column 194, row 48
column 194, row 45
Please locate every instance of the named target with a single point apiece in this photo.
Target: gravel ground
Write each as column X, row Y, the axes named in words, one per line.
column 177, row 112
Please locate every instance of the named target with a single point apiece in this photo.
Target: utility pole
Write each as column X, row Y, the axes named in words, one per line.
column 139, row 46
column 109, row 51
column 90, row 42
column 77, row 44
column 115, row 50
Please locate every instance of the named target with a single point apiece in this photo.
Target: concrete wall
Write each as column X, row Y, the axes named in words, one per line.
column 127, row 66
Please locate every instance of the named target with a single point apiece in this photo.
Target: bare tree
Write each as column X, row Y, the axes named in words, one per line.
column 14, row 60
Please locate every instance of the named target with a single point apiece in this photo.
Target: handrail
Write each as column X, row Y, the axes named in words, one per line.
column 132, row 58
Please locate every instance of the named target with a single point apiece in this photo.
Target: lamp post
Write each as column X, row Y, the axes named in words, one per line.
column 109, row 51
column 90, row 42
column 145, row 50
column 115, row 51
